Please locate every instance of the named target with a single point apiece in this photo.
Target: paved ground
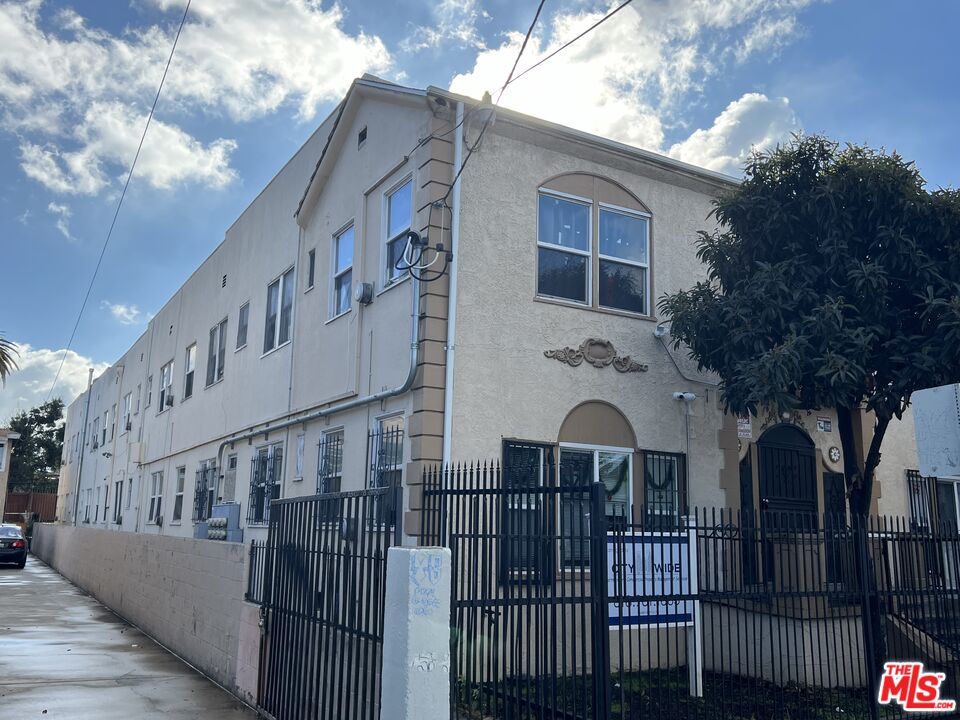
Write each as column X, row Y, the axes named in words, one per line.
column 64, row 655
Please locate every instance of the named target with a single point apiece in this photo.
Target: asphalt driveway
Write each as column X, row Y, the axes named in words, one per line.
column 64, row 655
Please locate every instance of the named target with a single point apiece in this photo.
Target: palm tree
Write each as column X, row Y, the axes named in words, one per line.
column 8, row 358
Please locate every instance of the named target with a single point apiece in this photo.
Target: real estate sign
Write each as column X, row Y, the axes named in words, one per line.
column 642, row 569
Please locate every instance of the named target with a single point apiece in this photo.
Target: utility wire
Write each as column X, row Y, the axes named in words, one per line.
column 570, row 42
column 486, row 122
column 123, row 194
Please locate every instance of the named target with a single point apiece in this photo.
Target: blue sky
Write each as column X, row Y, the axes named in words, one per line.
column 701, row 80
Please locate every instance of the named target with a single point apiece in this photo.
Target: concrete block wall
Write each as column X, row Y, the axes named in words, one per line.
column 185, row 593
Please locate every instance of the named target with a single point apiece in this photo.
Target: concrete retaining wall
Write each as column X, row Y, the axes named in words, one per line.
column 187, row 594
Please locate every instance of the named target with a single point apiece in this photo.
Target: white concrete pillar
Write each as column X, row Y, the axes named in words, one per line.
column 416, row 638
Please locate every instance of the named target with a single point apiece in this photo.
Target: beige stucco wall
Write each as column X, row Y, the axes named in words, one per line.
column 504, row 387
column 187, row 594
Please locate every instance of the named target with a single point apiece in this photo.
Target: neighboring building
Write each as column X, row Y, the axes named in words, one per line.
column 283, row 365
column 7, row 440
column 935, row 488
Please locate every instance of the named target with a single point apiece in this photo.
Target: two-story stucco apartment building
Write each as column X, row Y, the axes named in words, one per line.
column 301, row 355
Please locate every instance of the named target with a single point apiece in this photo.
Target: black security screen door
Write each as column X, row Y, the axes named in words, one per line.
column 788, row 478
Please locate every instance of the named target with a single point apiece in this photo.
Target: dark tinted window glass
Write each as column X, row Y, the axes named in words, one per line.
column 623, row 286
column 562, row 275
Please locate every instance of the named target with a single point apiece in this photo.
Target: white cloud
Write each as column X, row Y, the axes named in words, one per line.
column 635, row 77
column 77, row 96
column 28, row 386
column 24, row 217
column 63, row 214
column 455, row 21
column 124, row 314
column 753, row 121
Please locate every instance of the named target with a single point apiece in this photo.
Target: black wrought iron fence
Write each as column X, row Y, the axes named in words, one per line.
column 256, row 571
column 205, row 491
column 324, row 574
column 566, row 605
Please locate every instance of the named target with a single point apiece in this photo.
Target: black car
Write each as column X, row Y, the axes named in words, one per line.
column 13, row 546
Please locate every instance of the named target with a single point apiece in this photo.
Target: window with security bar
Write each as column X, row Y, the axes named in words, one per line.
column 205, row 492
column 527, row 519
column 266, row 476
column 664, row 489
column 330, row 462
column 918, row 490
column 385, row 469
column 330, row 473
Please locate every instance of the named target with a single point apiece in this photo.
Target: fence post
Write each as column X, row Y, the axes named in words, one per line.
column 867, row 590
column 416, row 639
column 601, row 609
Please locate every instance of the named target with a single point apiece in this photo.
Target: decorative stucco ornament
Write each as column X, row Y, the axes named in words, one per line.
column 599, row 353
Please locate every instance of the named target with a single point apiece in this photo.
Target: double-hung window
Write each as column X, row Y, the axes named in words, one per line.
column 165, row 393
column 623, row 263
column 113, row 421
column 106, row 425
column 243, row 319
column 279, row 321
column 156, row 497
column 96, row 434
column 205, row 490
column 178, row 494
column 399, row 216
column 149, row 391
column 127, row 410
column 563, row 248
column 527, row 520
column 311, row 267
column 342, row 266
column 189, row 369
column 117, row 499
column 216, row 352
column 591, row 250
column 330, row 462
column 266, row 478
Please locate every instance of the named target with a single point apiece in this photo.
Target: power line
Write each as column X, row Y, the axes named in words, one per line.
column 123, row 194
column 489, row 117
column 567, row 44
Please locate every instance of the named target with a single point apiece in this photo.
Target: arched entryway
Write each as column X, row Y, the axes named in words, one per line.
column 787, row 476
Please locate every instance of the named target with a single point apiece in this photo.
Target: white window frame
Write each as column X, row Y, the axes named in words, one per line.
column 311, row 269
column 166, row 386
column 566, row 565
column 189, row 370
column 129, row 492
column 333, row 312
column 127, row 416
column 139, row 396
column 156, row 497
column 149, row 391
column 324, row 439
column 293, row 304
column 181, row 481
column 301, row 446
column 117, row 507
column 243, row 320
column 106, row 423
column 217, row 339
column 387, row 279
column 588, row 253
column 610, row 258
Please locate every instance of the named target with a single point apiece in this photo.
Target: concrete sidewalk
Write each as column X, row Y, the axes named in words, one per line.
column 64, row 655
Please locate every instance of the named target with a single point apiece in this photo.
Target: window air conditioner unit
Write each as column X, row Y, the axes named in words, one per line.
column 169, row 401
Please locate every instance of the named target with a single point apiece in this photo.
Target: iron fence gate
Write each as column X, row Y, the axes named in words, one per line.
column 324, row 571
column 568, row 606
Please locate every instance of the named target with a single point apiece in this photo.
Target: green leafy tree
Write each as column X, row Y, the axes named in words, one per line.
column 8, row 359
column 36, row 456
column 833, row 282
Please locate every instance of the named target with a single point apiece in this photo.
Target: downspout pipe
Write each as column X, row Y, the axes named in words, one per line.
column 83, row 444
column 452, row 293
column 356, row 402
